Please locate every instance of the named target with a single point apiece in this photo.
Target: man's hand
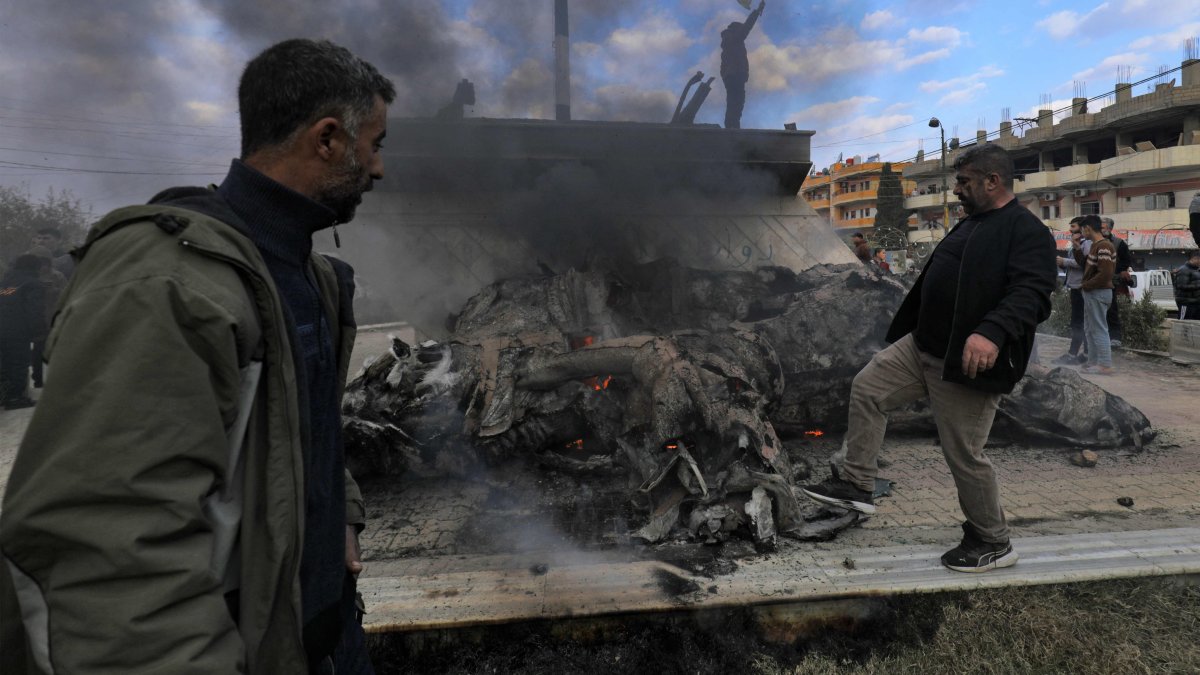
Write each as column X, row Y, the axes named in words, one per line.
column 353, row 551
column 1125, row 276
column 979, row 354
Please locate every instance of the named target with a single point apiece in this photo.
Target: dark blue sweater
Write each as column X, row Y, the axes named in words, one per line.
column 281, row 223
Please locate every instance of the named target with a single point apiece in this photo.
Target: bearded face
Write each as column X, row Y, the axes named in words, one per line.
column 344, row 186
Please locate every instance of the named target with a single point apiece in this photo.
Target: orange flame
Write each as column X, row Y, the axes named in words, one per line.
column 576, row 444
column 815, row 433
column 597, row 383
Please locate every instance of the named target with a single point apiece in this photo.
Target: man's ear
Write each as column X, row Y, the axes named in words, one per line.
column 323, row 137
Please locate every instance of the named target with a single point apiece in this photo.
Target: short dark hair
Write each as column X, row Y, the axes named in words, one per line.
column 1076, row 219
column 857, row 234
column 1092, row 221
column 988, row 158
column 297, row 82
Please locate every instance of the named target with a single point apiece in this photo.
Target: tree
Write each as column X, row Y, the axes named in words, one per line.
column 21, row 217
column 891, row 218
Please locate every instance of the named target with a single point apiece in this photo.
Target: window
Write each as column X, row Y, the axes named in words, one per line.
column 1052, row 211
column 1162, row 200
column 1089, row 208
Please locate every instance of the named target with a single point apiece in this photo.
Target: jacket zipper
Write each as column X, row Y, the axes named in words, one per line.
column 958, row 292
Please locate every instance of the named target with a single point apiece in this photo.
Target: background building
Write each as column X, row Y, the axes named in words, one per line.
column 847, row 195
column 1136, row 161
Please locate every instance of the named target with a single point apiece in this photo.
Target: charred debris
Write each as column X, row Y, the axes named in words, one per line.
column 682, row 399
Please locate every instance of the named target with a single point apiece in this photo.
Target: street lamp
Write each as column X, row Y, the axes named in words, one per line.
column 933, row 122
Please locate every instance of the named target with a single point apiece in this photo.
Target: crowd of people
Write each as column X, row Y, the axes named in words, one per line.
column 1099, row 268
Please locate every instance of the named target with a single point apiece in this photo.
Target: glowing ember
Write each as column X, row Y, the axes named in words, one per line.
column 576, row 444
column 815, row 433
column 598, row 383
column 582, row 341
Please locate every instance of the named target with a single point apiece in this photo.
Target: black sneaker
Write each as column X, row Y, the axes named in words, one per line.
column 841, row 494
column 1066, row 360
column 976, row 555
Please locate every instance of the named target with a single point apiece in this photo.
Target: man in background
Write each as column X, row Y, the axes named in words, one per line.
column 22, row 320
column 862, row 250
column 735, row 66
column 195, row 515
column 51, row 239
column 1122, row 273
column 1187, row 288
column 1074, row 271
column 1099, row 267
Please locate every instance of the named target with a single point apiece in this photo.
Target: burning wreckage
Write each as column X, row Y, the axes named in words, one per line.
column 677, row 391
column 670, row 387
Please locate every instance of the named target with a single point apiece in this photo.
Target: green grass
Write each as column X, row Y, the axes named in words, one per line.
column 1128, row 626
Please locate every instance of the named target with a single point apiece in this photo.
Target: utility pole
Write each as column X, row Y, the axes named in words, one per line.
column 562, row 63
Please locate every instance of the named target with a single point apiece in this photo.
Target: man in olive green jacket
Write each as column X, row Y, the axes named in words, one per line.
column 160, row 513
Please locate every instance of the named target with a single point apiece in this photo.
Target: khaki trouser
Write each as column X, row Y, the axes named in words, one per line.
column 900, row 375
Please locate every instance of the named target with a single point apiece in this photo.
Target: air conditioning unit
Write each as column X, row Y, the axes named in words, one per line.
column 1048, row 196
column 1081, row 193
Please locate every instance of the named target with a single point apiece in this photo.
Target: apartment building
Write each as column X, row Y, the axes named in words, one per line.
column 846, row 194
column 1136, row 161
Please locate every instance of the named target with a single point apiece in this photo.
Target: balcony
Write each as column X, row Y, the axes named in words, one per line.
column 818, row 203
column 929, row 200
column 1037, row 181
column 852, row 197
column 854, row 222
column 1180, row 159
column 1150, row 220
column 1078, row 174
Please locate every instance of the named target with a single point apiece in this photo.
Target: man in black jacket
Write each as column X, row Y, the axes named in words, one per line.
column 962, row 337
column 1121, row 279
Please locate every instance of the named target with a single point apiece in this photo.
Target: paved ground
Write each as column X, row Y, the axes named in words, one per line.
column 1043, row 493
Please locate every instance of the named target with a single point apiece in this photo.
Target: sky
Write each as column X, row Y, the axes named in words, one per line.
column 116, row 100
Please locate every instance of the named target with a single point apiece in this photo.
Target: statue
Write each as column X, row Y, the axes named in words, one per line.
column 735, row 66
column 686, row 114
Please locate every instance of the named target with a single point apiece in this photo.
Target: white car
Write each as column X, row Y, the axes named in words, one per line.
column 1158, row 284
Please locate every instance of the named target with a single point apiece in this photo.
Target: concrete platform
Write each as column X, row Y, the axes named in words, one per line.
column 426, row 599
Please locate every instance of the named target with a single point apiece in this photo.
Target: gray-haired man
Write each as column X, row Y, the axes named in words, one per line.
column 195, row 516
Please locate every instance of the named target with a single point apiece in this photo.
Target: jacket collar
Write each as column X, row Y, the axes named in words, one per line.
column 278, row 219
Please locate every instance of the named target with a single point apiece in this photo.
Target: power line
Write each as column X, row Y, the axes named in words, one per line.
column 68, row 169
column 1094, row 98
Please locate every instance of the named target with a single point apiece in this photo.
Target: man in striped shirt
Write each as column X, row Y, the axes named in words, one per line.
column 1098, row 268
